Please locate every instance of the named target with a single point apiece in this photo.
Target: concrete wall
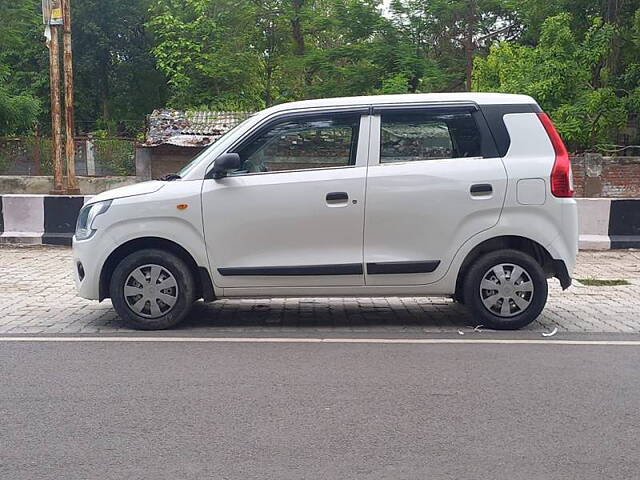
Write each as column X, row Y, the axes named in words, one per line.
column 604, row 223
column 14, row 184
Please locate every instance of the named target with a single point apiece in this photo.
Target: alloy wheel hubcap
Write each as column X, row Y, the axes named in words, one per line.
column 506, row 290
column 151, row 291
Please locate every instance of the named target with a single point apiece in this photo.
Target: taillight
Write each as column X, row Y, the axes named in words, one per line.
column 561, row 175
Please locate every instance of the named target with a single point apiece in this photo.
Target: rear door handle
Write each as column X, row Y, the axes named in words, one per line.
column 479, row 189
column 337, row 197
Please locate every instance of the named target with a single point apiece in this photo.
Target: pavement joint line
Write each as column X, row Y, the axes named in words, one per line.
column 401, row 341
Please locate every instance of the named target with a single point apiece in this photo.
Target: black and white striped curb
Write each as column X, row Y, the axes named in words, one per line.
column 609, row 223
column 47, row 219
column 39, row 219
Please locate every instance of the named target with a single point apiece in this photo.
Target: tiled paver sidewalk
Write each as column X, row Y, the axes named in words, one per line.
column 37, row 295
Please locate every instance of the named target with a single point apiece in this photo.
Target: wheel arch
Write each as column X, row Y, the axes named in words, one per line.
column 201, row 277
column 550, row 266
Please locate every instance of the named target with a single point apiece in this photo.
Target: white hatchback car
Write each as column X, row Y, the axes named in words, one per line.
column 467, row 195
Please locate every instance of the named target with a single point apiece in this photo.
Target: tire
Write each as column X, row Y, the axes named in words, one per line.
column 135, row 273
column 525, row 296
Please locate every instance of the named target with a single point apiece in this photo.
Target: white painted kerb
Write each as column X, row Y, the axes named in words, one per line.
column 23, row 218
column 593, row 222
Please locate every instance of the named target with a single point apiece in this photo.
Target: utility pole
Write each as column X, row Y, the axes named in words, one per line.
column 72, row 184
column 56, row 134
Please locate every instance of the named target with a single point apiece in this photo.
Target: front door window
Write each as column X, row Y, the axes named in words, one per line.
column 326, row 141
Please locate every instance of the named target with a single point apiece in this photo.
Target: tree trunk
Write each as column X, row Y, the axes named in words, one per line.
column 267, row 84
column 297, row 34
column 37, row 152
column 104, row 91
column 296, row 28
column 611, row 14
column 610, row 10
column 413, row 83
column 105, row 105
column 468, row 43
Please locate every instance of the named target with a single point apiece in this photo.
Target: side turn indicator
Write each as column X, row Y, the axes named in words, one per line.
column 182, row 206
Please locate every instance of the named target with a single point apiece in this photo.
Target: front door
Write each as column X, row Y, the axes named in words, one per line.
column 293, row 215
column 434, row 181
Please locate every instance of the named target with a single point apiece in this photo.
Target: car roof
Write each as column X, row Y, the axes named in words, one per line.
column 480, row 98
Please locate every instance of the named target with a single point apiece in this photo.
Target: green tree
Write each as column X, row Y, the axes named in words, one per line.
column 344, row 48
column 447, row 32
column 251, row 53
column 19, row 104
column 205, row 50
column 579, row 58
column 116, row 82
column 558, row 72
column 116, row 79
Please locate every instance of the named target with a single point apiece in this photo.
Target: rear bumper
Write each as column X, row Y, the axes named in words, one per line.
column 564, row 249
column 562, row 273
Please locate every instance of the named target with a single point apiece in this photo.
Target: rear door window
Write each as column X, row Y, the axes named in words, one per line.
column 423, row 135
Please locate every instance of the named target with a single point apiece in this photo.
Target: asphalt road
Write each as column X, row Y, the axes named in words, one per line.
column 318, row 411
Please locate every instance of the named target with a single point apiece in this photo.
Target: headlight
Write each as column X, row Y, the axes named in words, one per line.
column 86, row 217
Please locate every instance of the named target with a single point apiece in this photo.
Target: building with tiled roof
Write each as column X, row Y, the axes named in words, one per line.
column 189, row 128
column 174, row 137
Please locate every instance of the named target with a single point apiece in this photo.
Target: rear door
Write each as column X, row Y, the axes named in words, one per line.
column 434, row 180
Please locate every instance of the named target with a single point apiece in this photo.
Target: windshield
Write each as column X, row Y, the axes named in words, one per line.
column 194, row 161
column 189, row 166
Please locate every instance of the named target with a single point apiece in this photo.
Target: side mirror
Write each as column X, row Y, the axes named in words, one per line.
column 224, row 164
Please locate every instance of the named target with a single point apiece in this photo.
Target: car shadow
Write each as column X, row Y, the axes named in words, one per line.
column 329, row 313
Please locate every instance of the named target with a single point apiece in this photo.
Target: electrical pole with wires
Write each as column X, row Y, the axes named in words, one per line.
column 52, row 17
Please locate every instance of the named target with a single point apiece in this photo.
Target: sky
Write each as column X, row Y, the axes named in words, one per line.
column 386, row 7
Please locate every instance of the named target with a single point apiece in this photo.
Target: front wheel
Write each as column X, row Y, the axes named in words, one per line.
column 506, row 289
column 152, row 289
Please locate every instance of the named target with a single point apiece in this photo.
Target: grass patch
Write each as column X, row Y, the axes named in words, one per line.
column 598, row 282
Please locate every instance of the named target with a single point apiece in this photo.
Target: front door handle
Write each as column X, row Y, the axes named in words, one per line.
column 480, row 189
column 337, row 197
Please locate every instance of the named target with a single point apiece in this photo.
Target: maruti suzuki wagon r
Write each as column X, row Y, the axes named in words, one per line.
column 467, row 195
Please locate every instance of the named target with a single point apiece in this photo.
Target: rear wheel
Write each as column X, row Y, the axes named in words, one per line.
column 152, row 289
column 506, row 290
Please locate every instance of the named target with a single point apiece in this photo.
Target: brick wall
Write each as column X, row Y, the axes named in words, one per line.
column 596, row 176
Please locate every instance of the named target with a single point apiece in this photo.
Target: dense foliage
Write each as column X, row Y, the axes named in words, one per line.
column 570, row 75
column 20, row 102
column 579, row 58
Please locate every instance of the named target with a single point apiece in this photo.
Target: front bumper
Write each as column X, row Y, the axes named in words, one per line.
column 89, row 256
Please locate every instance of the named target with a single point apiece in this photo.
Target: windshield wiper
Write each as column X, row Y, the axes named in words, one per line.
column 169, row 177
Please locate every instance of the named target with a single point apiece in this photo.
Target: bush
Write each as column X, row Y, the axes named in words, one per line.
column 18, row 113
column 115, row 156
